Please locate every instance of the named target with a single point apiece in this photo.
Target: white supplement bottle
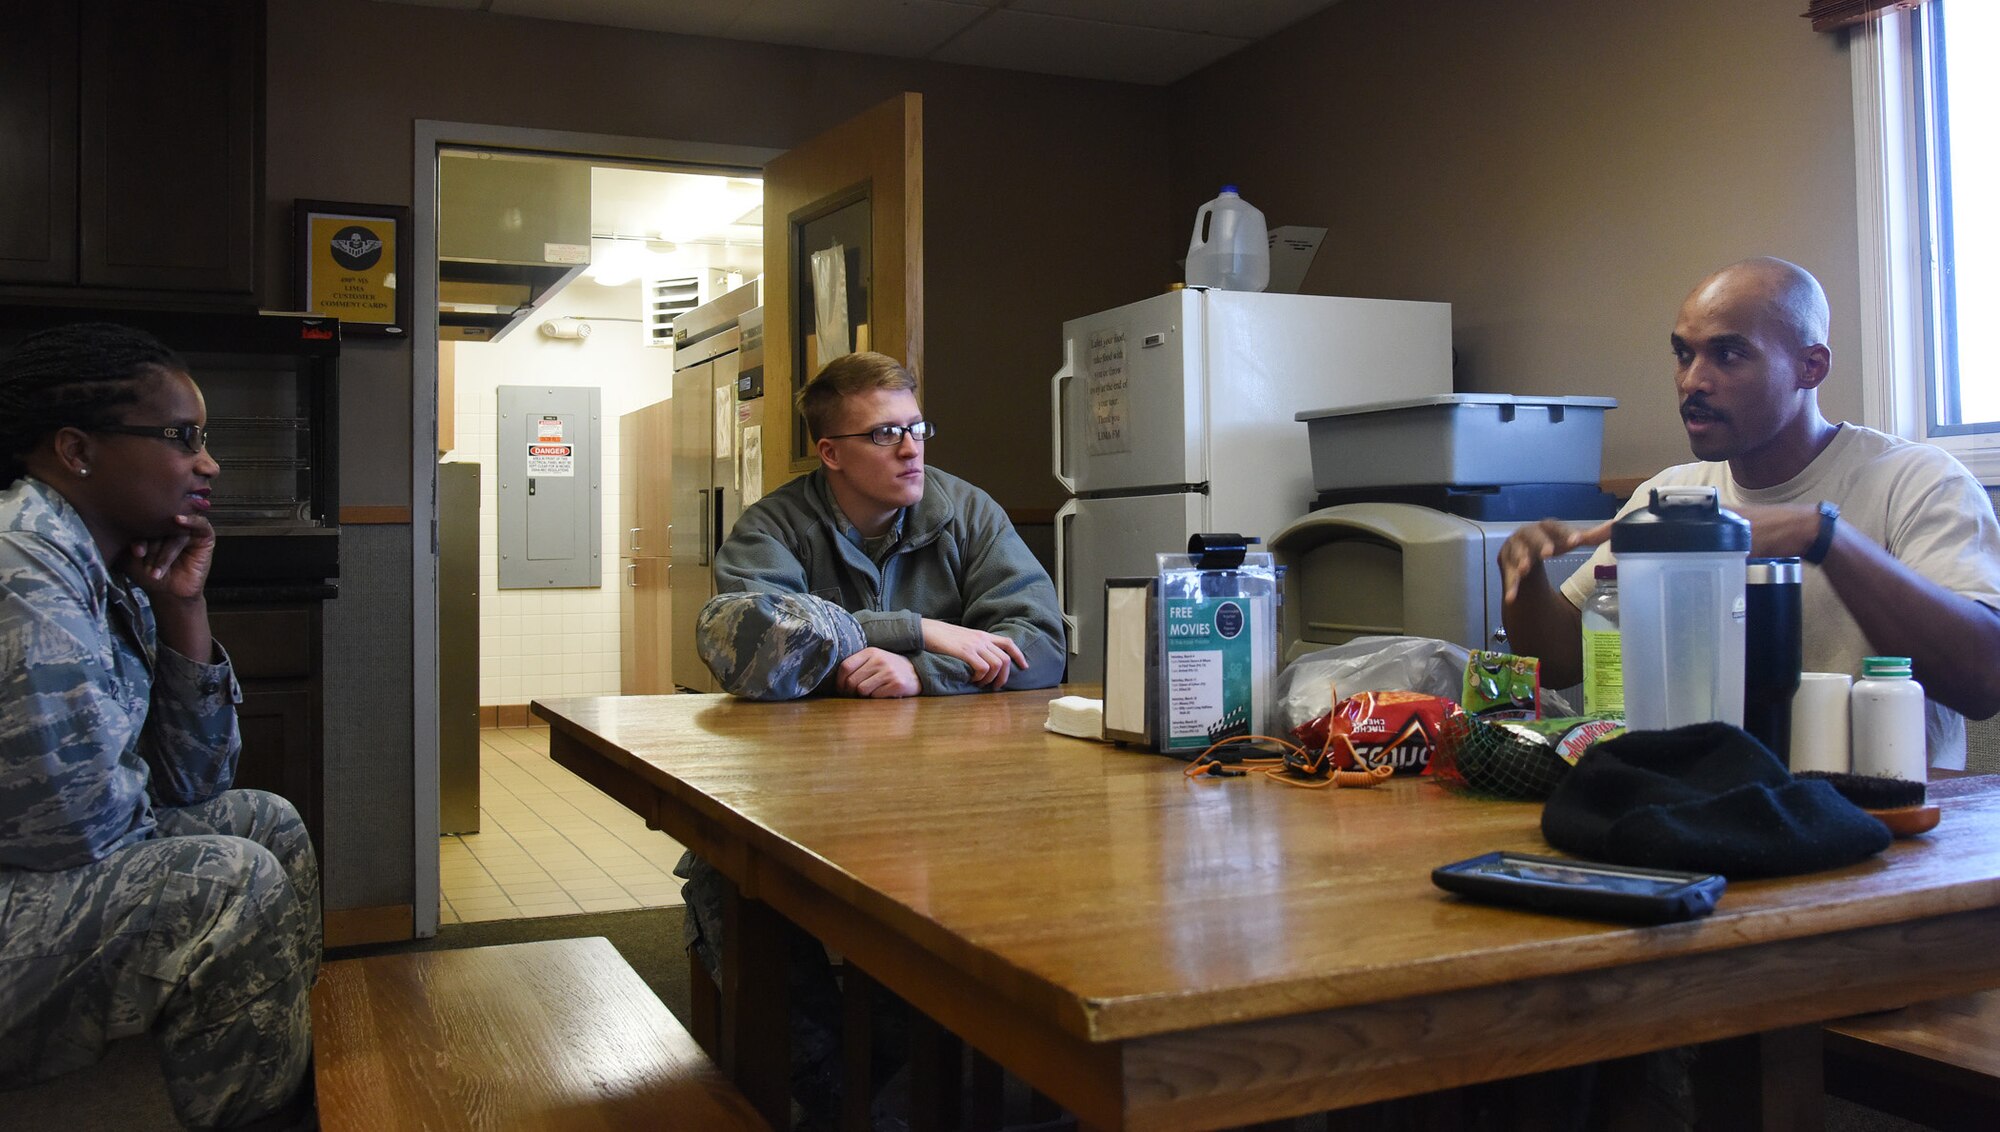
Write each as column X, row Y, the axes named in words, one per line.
column 1887, row 711
column 1603, row 666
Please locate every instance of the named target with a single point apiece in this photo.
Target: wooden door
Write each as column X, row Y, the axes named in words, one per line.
column 874, row 159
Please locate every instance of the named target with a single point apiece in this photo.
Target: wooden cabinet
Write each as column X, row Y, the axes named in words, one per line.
column 129, row 147
column 275, row 649
column 645, row 480
column 38, row 143
column 645, row 618
column 645, row 607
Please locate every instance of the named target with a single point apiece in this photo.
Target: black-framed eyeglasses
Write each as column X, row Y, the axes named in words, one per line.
column 192, row 437
column 890, row 435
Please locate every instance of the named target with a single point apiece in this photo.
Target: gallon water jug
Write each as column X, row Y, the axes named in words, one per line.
column 1230, row 248
column 1681, row 609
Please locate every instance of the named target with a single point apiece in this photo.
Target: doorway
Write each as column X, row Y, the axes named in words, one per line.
column 661, row 241
column 547, row 843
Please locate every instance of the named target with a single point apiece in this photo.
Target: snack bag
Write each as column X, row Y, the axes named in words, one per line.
column 1395, row 729
column 1501, row 685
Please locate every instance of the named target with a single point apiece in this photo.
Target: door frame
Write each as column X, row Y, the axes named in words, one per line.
column 430, row 137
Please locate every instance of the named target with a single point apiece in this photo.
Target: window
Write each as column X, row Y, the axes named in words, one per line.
column 1962, row 171
column 1930, row 239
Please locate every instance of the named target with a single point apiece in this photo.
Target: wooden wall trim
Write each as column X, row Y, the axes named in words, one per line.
column 385, row 514
column 388, row 923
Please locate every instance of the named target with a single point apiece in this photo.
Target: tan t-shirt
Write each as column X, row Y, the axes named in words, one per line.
column 1914, row 500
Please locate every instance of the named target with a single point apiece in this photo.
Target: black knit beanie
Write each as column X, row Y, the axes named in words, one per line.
column 1706, row 798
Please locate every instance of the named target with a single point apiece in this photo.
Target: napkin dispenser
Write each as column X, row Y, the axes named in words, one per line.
column 1131, row 659
column 1190, row 654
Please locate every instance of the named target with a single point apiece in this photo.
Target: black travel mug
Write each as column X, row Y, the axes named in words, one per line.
column 1772, row 652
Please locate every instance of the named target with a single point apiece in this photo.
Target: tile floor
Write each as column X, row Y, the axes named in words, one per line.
column 549, row 843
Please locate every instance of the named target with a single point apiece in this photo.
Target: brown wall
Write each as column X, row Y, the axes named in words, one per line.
column 1011, row 160
column 1561, row 172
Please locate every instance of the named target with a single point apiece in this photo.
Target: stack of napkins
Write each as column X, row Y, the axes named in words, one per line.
column 1076, row 715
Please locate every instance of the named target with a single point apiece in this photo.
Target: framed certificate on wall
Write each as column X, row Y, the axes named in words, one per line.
column 353, row 263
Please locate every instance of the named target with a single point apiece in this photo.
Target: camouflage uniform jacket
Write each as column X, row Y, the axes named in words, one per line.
column 97, row 721
column 958, row 559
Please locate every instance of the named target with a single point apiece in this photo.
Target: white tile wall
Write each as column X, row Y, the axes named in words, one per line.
column 555, row 642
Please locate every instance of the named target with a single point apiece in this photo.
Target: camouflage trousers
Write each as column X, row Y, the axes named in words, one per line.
column 207, row 935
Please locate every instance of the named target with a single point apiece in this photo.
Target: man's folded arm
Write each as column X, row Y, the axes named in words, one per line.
column 774, row 646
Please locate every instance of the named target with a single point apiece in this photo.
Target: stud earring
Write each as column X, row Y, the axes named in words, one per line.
column 83, row 472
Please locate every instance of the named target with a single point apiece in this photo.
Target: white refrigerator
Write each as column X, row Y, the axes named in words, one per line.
column 1174, row 415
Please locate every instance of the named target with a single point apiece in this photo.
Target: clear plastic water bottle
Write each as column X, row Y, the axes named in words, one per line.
column 1888, row 720
column 1681, row 609
column 1603, row 663
column 1230, row 249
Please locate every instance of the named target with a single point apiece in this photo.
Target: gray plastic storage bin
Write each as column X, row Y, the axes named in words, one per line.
column 1458, row 438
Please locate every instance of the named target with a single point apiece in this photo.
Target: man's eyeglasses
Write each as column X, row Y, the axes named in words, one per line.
column 890, row 435
column 192, row 437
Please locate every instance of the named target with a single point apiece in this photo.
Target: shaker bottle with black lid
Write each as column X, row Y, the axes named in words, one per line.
column 1773, row 650
column 1681, row 573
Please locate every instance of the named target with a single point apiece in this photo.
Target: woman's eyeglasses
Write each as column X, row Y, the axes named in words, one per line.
column 890, row 435
column 192, row 437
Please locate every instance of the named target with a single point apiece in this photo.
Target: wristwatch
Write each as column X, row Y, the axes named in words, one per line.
column 1829, row 513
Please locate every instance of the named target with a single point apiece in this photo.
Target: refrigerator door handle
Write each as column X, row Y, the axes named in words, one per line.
column 1065, row 515
column 705, row 529
column 1057, row 385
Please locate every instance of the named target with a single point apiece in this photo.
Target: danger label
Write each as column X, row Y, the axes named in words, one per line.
column 551, row 460
column 549, row 430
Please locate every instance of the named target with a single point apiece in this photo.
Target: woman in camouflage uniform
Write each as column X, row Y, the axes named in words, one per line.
column 137, row 891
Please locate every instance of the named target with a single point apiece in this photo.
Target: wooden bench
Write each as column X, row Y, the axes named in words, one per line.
column 561, row 1034
column 1936, row 1062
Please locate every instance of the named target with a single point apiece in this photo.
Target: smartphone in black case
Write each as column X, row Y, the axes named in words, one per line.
column 1583, row 888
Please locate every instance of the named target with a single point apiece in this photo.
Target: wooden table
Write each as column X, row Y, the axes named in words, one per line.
column 1158, row 953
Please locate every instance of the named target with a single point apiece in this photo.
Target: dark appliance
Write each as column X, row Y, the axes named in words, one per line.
column 270, row 382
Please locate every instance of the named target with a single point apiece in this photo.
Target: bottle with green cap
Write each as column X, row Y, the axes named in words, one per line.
column 1886, row 721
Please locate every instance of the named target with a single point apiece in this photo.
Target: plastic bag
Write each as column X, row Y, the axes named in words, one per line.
column 1367, row 664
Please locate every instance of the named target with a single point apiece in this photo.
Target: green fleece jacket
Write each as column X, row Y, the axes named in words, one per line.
column 958, row 559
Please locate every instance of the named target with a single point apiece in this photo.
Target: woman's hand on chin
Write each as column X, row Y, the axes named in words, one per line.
column 174, row 567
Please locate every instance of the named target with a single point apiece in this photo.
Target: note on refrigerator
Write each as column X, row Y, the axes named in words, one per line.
column 725, row 420
column 752, row 488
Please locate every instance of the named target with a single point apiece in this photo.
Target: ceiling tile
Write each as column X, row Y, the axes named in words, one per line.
column 686, row 17
column 1144, row 41
column 1236, row 19
column 908, row 29
column 1057, row 45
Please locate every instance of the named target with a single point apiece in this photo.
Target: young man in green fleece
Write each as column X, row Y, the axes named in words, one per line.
column 877, row 576
column 874, row 576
